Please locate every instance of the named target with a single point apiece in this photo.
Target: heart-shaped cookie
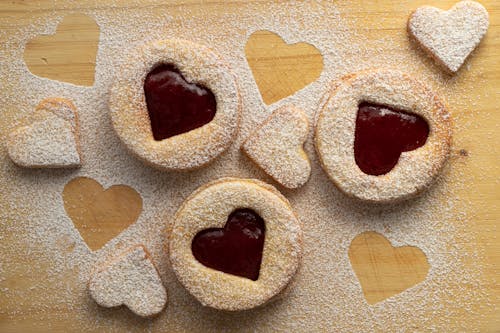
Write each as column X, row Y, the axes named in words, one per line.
column 98, row 214
column 176, row 106
column 449, row 36
column 279, row 68
column 50, row 139
column 235, row 249
column 131, row 279
column 69, row 55
column 277, row 147
column 382, row 134
column 375, row 262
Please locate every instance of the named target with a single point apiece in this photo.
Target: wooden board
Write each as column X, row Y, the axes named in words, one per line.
column 482, row 160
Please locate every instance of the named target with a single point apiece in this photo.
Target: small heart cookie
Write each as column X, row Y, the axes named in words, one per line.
column 131, row 280
column 277, row 147
column 50, row 140
column 449, row 36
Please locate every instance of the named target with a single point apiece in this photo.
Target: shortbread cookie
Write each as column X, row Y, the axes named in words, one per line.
column 449, row 36
column 175, row 104
column 50, row 138
column 382, row 136
column 235, row 243
column 131, row 279
column 277, row 147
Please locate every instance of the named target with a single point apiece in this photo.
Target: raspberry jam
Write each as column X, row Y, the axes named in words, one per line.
column 235, row 249
column 382, row 134
column 176, row 106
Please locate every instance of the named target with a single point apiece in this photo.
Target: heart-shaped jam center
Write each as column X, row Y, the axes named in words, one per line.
column 382, row 134
column 235, row 249
column 176, row 106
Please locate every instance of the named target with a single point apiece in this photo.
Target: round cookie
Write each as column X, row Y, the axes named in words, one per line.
column 198, row 67
column 208, row 209
column 386, row 90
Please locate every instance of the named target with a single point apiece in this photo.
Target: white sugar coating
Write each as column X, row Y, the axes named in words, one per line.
column 450, row 36
column 325, row 294
column 61, row 107
column 209, row 207
column 277, row 147
column 335, row 127
column 130, row 279
column 50, row 138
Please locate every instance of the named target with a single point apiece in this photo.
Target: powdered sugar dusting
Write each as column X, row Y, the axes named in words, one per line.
column 325, row 294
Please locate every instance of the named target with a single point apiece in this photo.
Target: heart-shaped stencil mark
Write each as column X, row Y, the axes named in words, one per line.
column 176, row 106
column 131, row 279
column 98, row 214
column 281, row 69
column 382, row 134
column 383, row 270
column 235, row 249
column 450, row 36
column 69, row 55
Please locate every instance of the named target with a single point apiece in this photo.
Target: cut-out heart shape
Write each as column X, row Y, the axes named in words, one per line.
column 69, row 55
column 131, row 280
column 277, row 147
column 98, row 214
column 281, row 69
column 383, row 270
column 382, row 134
column 176, row 106
column 50, row 140
column 235, row 249
column 449, row 36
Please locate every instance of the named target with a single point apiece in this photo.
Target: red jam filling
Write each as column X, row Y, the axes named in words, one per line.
column 382, row 134
column 235, row 249
column 176, row 106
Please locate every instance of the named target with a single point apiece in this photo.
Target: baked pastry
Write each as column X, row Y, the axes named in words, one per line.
column 449, row 36
column 382, row 136
column 50, row 139
column 131, row 279
column 175, row 104
column 235, row 243
column 277, row 147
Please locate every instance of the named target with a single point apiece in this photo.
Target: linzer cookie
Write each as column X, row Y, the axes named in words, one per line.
column 235, row 243
column 131, row 280
column 175, row 104
column 449, row 36
column 49, row 139
column 277, row 147
column 382, row 136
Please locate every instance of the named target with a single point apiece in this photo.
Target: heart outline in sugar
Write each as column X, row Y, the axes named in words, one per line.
column 68, row 55
column 100, row 214
column 374, row 260
column 281, row 69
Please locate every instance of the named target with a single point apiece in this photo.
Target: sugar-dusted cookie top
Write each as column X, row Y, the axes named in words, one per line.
column 49, row 139
column 130, row 279
column 235, row 243
column 449, row 36
column 277, row 147
column 382, row 136
column 175, row 104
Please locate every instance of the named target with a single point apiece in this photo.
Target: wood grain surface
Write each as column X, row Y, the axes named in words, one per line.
column 44, row 58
